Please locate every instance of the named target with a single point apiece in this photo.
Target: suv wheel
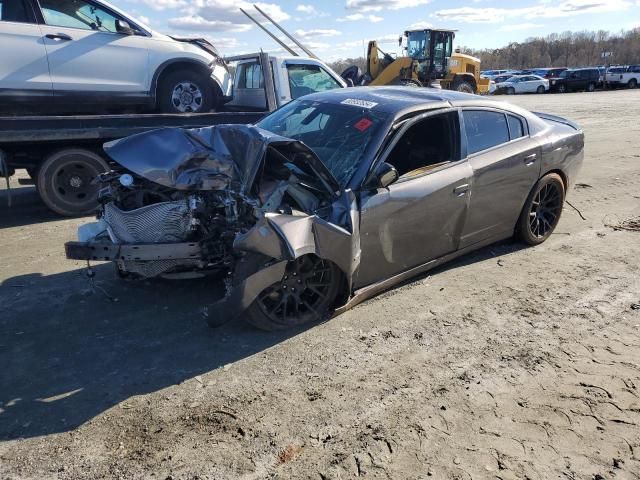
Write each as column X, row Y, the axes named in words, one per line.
column 591, row 87
column 186, row 92
column 633, row 83
column 562, row 88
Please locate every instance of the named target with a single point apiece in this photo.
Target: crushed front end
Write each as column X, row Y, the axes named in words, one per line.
column 233, row 200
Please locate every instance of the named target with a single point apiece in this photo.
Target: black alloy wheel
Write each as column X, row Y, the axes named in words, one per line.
column 542, row 211
column 306, row 293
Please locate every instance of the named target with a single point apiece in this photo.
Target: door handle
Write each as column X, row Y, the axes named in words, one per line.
column 59, row 36
column 530, row 159
column 461, row 190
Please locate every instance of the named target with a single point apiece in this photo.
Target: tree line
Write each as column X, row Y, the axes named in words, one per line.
column 567, row 49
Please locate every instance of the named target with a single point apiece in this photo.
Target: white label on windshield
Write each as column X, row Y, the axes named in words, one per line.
column 359, row 103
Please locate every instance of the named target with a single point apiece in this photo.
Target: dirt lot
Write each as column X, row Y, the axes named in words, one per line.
column 511, row 363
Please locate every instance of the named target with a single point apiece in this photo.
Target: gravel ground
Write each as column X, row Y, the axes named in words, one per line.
column 511, row 363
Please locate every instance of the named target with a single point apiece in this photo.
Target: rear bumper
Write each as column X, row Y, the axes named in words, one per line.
column 106, row 252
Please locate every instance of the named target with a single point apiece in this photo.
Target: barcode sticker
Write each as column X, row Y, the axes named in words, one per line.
column 359, row 103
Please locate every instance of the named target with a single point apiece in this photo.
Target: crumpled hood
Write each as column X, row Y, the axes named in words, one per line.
column 211, row 158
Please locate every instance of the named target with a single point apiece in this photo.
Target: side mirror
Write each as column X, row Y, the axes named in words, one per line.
column 124, row 28
column 386, row 175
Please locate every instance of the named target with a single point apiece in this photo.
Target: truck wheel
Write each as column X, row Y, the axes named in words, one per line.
column 463, row 86
column 65, row 181
column 633, row 83
column 307, row 293
column 186, row 91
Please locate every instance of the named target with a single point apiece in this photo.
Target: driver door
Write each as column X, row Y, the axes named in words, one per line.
column 418, row 218
column 87, row 54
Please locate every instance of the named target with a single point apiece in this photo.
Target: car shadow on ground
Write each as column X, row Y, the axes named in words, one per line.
column 26, row 207
column 69, row 351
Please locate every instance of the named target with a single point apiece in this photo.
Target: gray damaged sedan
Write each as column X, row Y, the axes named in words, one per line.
column 331, row 199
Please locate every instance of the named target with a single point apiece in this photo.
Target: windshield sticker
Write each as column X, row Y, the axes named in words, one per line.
column 358, row 103
column 363, row 124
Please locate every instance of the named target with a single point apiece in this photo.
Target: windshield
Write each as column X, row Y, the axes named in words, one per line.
column 418, row 45
column 564, row 74
column 337, row 133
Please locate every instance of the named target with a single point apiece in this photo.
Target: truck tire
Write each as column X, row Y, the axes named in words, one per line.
column 65, row 181
column 187, row 91
column 465, row 86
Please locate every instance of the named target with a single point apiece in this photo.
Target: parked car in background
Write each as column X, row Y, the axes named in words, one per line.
column 523, row 84
column 502, row 78
column 87, row 55
column 623, row 76
column 587, row 79
column 548, row 72
column 492, row 73
column 319, row 206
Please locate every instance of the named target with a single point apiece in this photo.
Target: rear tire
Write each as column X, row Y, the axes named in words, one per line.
column 562, row 89
column 65, row 181
column 633, row 83
column 187, row 91
column 511, row 91
column 307, row 293
column 542, row 210
column 591, row 87
column 540, row 89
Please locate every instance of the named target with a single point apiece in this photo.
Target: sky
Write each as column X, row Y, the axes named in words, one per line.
column 341, row 28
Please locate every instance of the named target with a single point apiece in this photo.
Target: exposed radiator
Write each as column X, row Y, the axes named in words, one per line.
column 165, row 222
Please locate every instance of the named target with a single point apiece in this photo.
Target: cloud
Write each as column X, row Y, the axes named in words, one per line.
column 165, row 4
column 318, row 32
column 378, row 5
column 519, row 26
column 223, row 15
column 355, row 17
column 541, row 10
column 420, row 25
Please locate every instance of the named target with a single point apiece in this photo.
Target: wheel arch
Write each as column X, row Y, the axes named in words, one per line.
column 176, row 64
column 561, row 174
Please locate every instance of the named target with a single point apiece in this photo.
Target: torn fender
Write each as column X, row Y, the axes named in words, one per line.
column 284, row 238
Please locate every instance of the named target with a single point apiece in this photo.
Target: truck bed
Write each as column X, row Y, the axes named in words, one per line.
column 27, row 129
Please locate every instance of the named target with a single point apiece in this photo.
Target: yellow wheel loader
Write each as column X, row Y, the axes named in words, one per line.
column 429, row 62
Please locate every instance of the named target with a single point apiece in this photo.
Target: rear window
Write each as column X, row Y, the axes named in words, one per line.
column 15, row 11
column 516, row 128
column 484, row 129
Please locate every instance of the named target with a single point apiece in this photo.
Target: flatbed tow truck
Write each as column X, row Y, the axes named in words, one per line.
column 62, row 154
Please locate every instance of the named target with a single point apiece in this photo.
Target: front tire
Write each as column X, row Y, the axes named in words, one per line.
column 633, row 83
column 540, row 89
column 542, row 210
column 463, row 86
column 65, row 181
column 186, row 91
column 511, row 91
column 562, row 89
column 591, row 87
column 307, row 293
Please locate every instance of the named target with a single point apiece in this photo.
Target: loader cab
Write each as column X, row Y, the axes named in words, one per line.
column 431, row 50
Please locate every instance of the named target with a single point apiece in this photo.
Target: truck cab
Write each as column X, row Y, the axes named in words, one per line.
column 293, row 77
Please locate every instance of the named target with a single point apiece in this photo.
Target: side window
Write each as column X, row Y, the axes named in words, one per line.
column 15, row 11
column 306, row 79
column 251, row 76
column 516, row 128
column 484, row 129
column 428, row 144
column 78, row 14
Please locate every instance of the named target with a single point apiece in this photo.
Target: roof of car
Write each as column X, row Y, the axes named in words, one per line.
column 391, row 99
